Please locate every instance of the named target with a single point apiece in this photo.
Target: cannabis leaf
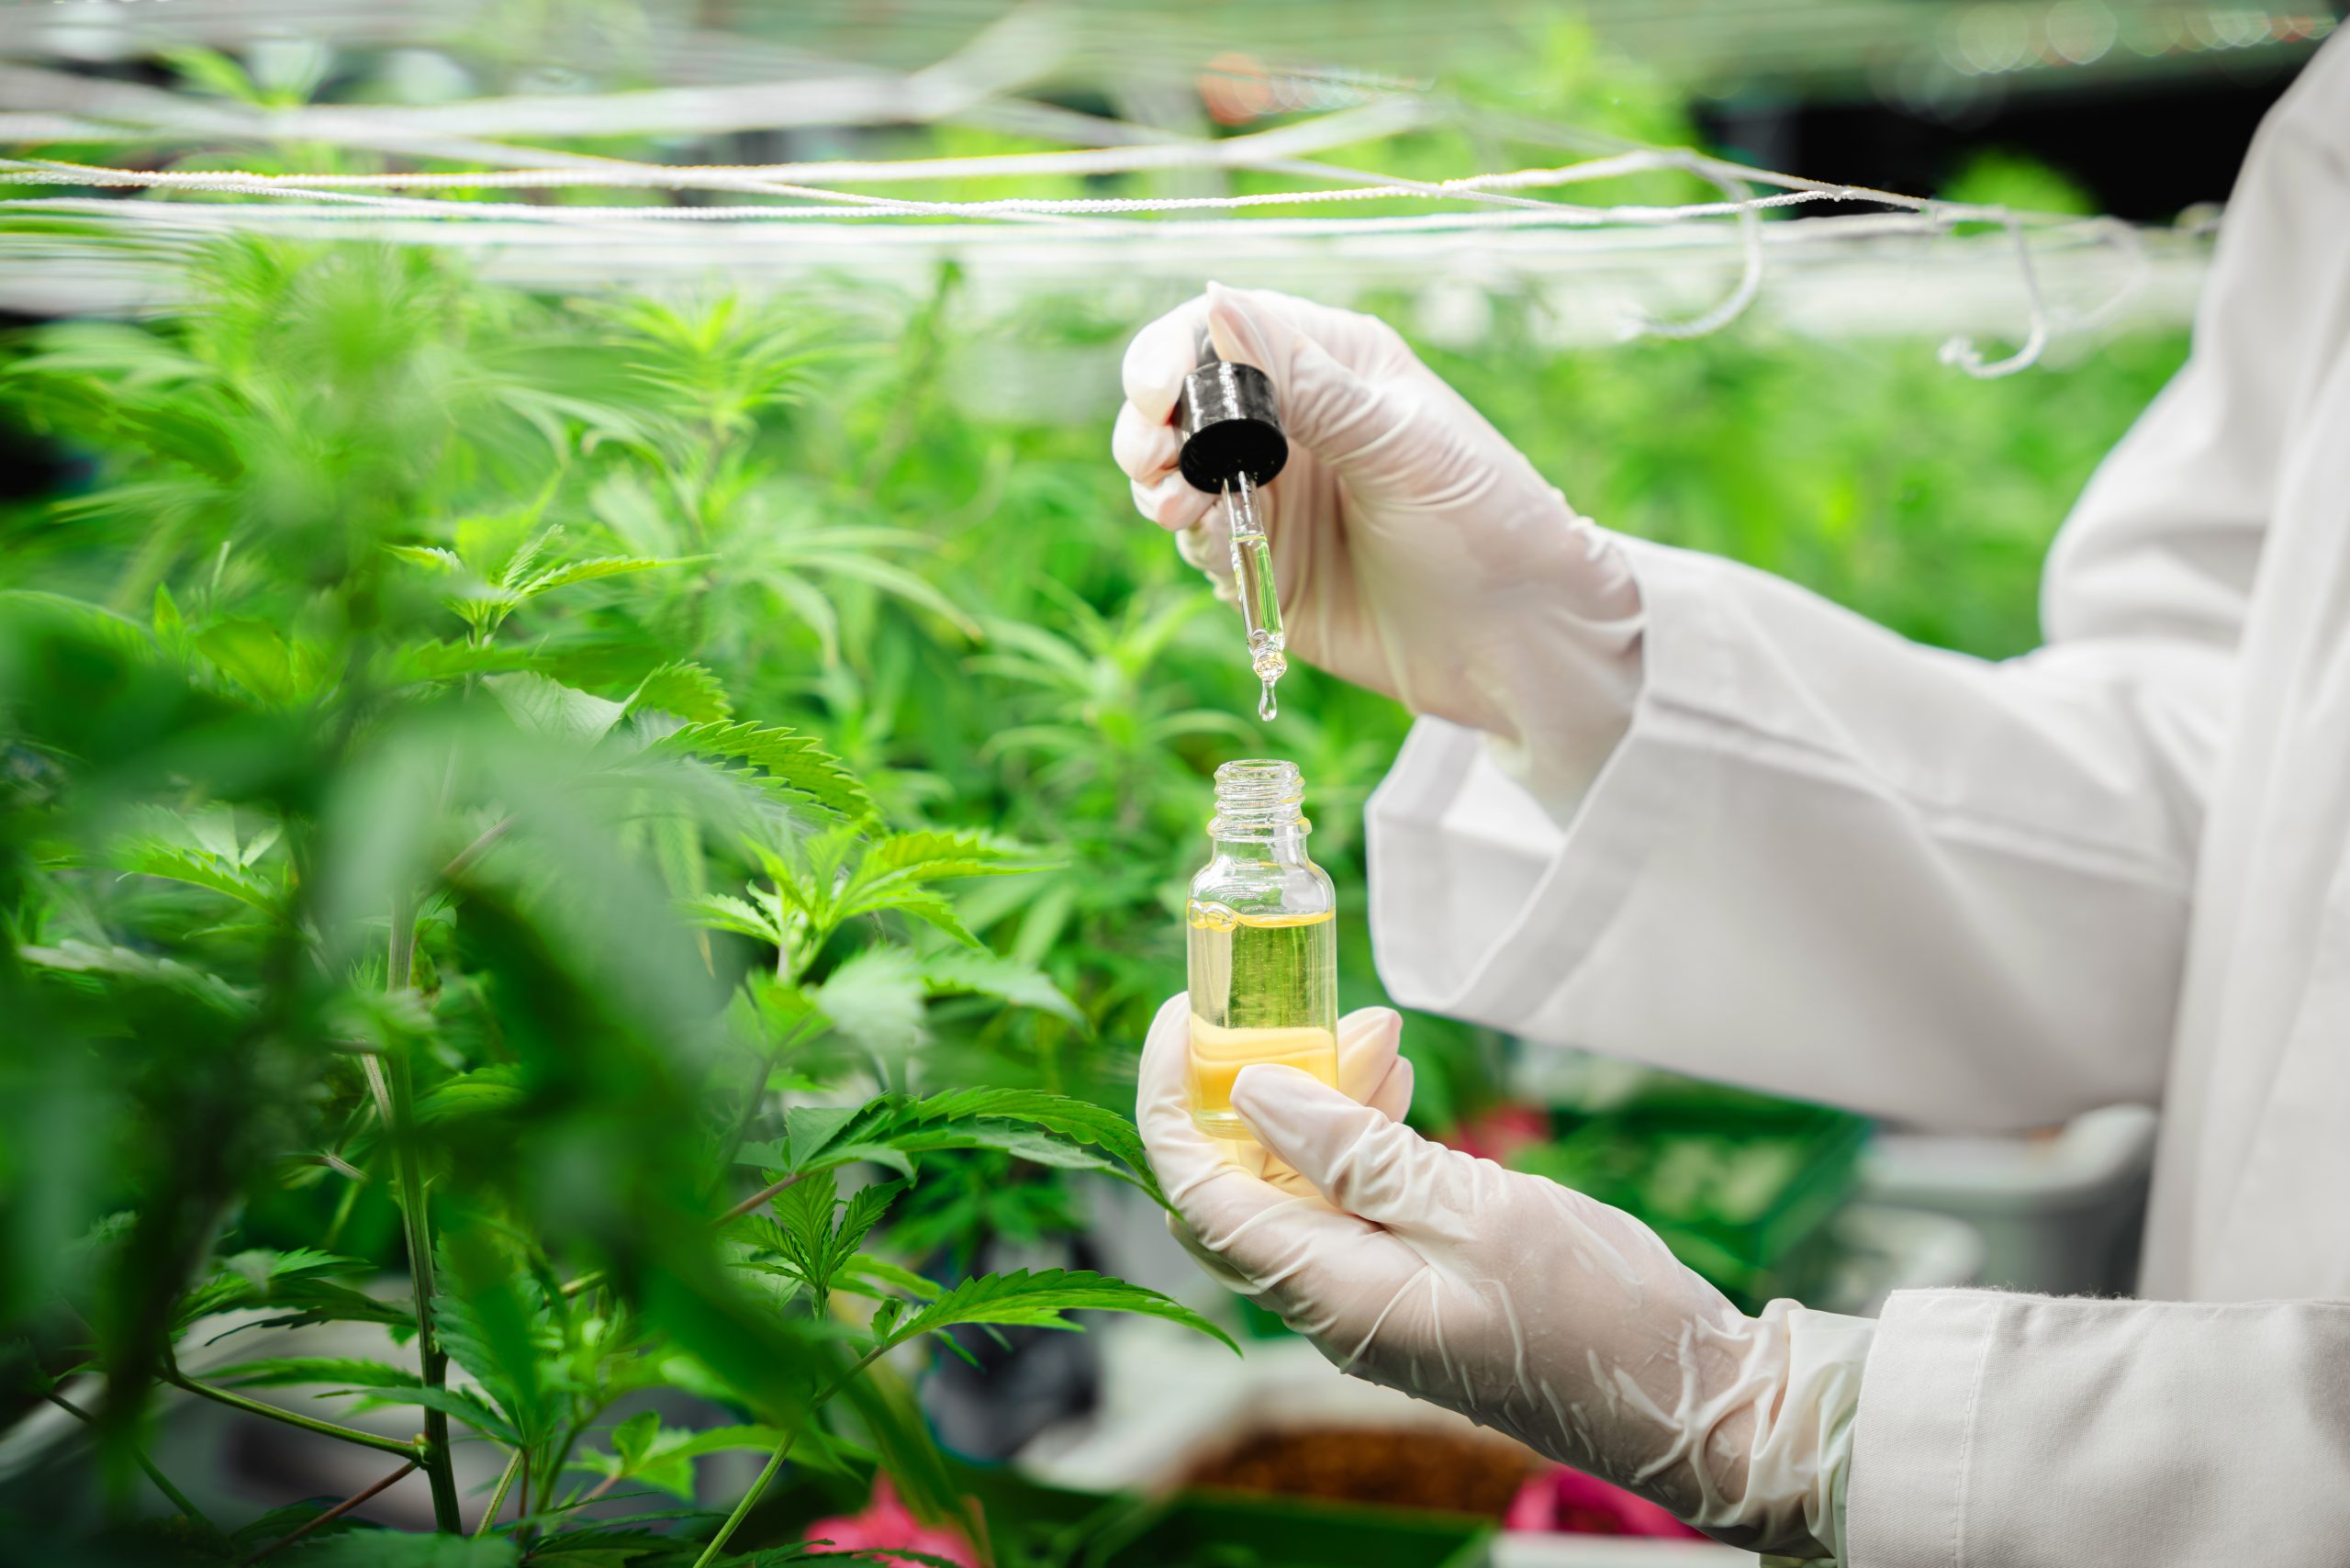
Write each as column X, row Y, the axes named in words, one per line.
column 646, row 1451
column 496, row 575
column 783, row 761
column 977, row 973
column 204, row 849
column 294, row 1372
column 299, row 1279
column 684, row 689
column 548, row 706
column 817, row 1234
column 875, row 998
column 76, row 957
column 1043, row 1300
column 1046, row 1129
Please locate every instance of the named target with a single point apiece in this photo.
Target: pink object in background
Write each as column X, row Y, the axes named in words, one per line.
column 884, row 1524
column 1563, row 1501
column 1498, row 1133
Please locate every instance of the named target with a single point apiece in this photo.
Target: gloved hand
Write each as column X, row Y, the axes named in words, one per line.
column 1418, row 553
column 1519, row 1303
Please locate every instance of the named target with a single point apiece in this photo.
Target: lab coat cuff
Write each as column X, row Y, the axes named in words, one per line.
column 1486, row 885
column 1906, row 1501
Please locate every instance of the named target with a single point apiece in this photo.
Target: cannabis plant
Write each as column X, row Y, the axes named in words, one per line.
column 397, row 888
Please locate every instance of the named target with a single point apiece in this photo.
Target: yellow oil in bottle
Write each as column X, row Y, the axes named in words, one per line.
column 1264, row 989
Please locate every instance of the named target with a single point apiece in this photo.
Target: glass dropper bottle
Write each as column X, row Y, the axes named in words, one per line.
column 1230, row 425
column 1262, row 944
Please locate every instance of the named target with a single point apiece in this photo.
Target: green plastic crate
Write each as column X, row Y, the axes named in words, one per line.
column 1739, row 1186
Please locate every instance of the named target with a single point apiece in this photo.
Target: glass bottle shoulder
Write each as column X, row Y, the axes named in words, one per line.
column 1252, row 885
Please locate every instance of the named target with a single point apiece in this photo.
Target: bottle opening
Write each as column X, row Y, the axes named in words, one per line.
column 1257, row 796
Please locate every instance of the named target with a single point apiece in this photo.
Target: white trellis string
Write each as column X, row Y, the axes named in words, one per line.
column 1961, row 352
column 811, row 198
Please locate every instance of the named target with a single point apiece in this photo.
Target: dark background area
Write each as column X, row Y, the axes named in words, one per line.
column 2142, row 150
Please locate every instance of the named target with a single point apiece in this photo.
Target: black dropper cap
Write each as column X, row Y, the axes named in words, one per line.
column 1229, row 422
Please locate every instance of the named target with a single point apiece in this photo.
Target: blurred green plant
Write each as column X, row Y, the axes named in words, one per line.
column 385, row 854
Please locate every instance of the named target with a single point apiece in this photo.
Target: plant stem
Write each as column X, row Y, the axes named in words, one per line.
column 392, row 1089
column 725, row 1531
column 330, row 1515
column 399, row 954
column 177, row 1499
column 755, row 1199
column 434, row 1365
column 783, row 1450
column 290, row 1417
column 465, row 858
column 497, row 1498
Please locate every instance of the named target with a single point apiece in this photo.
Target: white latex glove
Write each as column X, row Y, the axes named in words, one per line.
column 1519, row 1303
column 1418, row 553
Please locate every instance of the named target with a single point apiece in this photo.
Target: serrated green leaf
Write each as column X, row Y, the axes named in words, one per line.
column 684, row 689
column 462, row 1403
column 809, row 1128
column 415, row 662
column 1077, row 1119
column 1011, row 1137
column 804, row 1222
column 644, row 1450
column 76, row 957
column 154, row 858
column 279, row 1523
column 859, row 1215
column 875, row 998
column 982, row 973
column 854, row 1153
column 866, row 1266
column 548, row 706
column 585, row 572
column 300, row 1279
column 432, row 557
column 786, row 761
column 293, row 1372
column 479, row 538
column 724, row 911
column 494, row 1320
column 1043, row 1300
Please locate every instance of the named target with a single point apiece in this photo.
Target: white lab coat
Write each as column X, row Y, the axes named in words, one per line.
column 1828, row 862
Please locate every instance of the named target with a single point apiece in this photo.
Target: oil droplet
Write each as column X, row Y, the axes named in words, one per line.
column 1267, row 709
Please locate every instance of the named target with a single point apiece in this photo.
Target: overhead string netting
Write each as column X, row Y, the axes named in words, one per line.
column 1085, row 150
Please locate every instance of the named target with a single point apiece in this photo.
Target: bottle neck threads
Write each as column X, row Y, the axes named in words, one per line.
column 1259, row 801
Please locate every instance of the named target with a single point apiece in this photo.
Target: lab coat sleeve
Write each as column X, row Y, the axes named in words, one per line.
column 1828, row 862
column 2039, row 1432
